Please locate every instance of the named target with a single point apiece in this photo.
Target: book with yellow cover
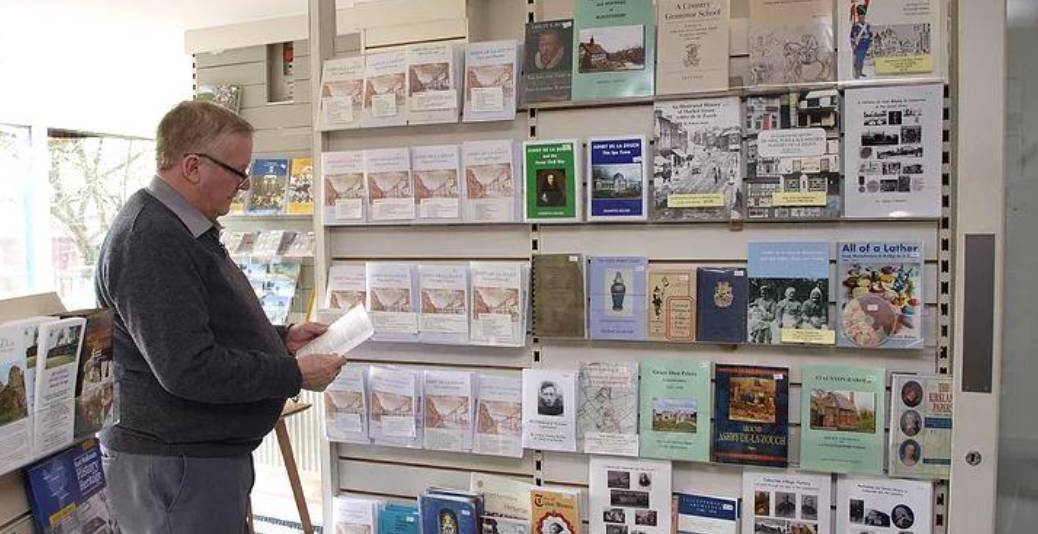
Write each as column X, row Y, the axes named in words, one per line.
column 553, row 508
column 301, row 187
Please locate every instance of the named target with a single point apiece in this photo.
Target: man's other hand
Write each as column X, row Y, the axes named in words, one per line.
column 319, row 370
column 301, row 334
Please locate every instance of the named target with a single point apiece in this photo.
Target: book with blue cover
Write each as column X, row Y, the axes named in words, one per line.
column 617, row 289
column 703, row 514
column 268, row 188
column 448, row 513
column 398, row 519
column 67, row 491
column 618, row 188
column 723, row 296
column 751, row 415
column 789, row 288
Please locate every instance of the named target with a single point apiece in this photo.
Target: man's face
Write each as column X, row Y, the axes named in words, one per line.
column 548, row 395
column 548, row 45
column 218, row 186
column 790, row 292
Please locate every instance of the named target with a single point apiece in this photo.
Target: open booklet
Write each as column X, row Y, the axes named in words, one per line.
column 344, row 334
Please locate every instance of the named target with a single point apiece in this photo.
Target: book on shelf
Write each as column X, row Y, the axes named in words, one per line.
column 60, row 345
column 616, row 286
column 883, row 505
column 558, row 295
column 385, row 89
column 271, row 244
column 548, row 61
column 391, row 300
column 554, row 510
column 552, row 181
column 449, row 512
column 503, row 496
column 550, row 410
column 614, row 49
column 892, row 39
column 95, row 377
column 879, row 294
column 607, row 409
column 894, row 156
column 389, row 184
column 301, row 187
column 347, row 286
column 268, row 187
column 399, row 519
column 492, row 187
column 617, row 189
column 499, row 408
column 697, row 167
column 751, row 415
column 791, row 42
column 920, row 426
column 342, row 93
column 721, row 309
column 671, row 303
column 68, row 491
column 776, row 501
column 675, row 410
column 450, row 401
column 438, row 187
column 491, row 75
column 499, row 304
column 346, row 406
column 238, row 203
column 343, row 193
column 443, row 315
column 25, row 334
column 789, row 292
column 301, row 246
column 706, row 514
column 15, row 394
column 630, row 494
column 227, row 95
column 842, row 418
column 692, row 53
column 433, row 73
column 395, row 407
column 355, row 515
column 793, row 169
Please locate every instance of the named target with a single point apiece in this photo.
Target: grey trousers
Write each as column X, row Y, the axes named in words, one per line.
column 178, row 494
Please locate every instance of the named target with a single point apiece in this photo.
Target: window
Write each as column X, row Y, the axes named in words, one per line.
column 15, row 149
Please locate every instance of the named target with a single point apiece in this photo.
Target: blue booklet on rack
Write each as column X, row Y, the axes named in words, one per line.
column 702, row 514
column 67, row 491
column 398, row 519
column 617, row 289
column 269, row 187
column 722, row 304
column 448, row 513
column 617, row 189
column 789, row 294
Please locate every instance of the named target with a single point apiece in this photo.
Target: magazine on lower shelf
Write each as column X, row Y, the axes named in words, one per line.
column 67, row 492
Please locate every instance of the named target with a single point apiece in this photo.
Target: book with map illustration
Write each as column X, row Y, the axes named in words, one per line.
column 607, row 412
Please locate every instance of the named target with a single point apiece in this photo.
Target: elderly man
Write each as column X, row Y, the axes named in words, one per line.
column 201, row 373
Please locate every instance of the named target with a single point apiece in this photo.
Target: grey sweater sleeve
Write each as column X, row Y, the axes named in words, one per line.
column 162, row 300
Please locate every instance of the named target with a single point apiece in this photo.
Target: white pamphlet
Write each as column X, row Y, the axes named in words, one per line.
column 549, row 410
column 347, row 286
column 342, row 92
column 438, row 187
column 15, row 420
column 432, row 83
column 443, row 317
column 789, row 502
column 385, row 89
column 343, row 335
column 346, row 407
column 498, row 304
column 449, row 408
column 391, row 301
column 390, row 189
column 493, row 193
column 352, row 515
column 395, row 412
column 499, row 416
column 490, row 80
column 883, row 505
column 632, row 493
column 57, row 363
column 343, row 193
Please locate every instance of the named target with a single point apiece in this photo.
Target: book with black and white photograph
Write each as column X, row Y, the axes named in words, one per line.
column 491, row 76
column 347, row 286
column 629, row 495
column 385, row 89
column 342, row 93
column 391, row 300
column 395, row 407
column 499, row 305
column 883, row 505
column 343, row 195
column 920, row 426
column 894, row 140
column 60, row 344
column 550, row 410
column 607, row 410
column 443, row 316
column 438, row 184
column 389, row 184
column 890, row 39
column 492, row 186
column 548, row 61
column 450, row 400
column 789, row 294
column 692, row 54
column 499, row 416
column 346, row 406
column 793, row 503
column 697, row 167
column 791, row 42
column 432, row 83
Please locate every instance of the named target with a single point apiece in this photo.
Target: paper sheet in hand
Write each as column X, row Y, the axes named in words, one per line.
column 343, row 335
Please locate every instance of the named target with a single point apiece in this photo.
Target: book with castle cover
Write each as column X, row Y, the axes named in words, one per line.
column 499, row 416
column 671, row 303
column 616, row 286
column 444, row 313
column 630, row 493
column 491, row 73
column 346, row 406
column 269, row 184
column 555, row 510
column 774, row 501
column 723, row 297
column 879, row 298
column 438, row 187
column 842, row 416
column 697, row 171
column 789, row 292
column 385, row 89
column 618, row 187
column 675, row 410
column 391, row 300
column 95, row 378
column 793, row 169
column 614, row 49
column 343, row 192
column 920, row 426
column 493, row 190
column 301, row 187
column 389, row 184
column 883, row 505
column 607, row 412
column 751, row 415
column 433, row 73
column 894, row 156
column 693, row 46
column 550, row 410
column 791, row 42
column 552, row 181
column 450, row 398
column 499, row 308
column 890, row 39
column 705, row 514
column 548, row 61
column 342, row 93
column 395, row 407
column 558, row 295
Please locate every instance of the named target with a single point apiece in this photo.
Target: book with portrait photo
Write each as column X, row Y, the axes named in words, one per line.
column 920, row 426
column 549, row 410
column 675, row 410
column 751, row 415
column 553, row 183
column 789, row 294
column 614, row 50
column 548, row 61
column 630, row 495
column 883, row 505
column 842, row 419
column 793, row 503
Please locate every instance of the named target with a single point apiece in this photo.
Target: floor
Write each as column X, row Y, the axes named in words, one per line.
column 274, row 509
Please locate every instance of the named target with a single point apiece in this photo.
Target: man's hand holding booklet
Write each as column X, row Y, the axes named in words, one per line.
column 344, row 333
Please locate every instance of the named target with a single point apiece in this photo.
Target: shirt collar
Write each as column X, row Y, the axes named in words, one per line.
column 193, row 218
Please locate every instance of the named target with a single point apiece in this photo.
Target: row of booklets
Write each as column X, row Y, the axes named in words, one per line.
column 57, row 383
column 764, row 157
column 637, row 496
column 269, row 244
column 609, row 51
column 662, row 409
column 277, row 186
column 783, row 295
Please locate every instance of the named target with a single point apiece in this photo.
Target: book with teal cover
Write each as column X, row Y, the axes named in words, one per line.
column 398, row 519
column 842, row 417
column 675, row 410
column 614, row 46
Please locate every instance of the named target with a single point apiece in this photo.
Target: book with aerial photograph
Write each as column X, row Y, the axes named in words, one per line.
column 614, row 49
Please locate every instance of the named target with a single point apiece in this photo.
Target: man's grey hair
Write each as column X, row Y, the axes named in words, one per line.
column 194, row 126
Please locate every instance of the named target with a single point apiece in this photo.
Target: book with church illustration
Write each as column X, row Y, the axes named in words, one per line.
column 842, row 419
column 558, row 295
column 751, row 415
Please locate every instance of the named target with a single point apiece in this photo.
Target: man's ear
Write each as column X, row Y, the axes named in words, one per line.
column 189, row 169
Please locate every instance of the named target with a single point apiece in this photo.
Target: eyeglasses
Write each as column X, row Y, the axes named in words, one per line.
column 242, row 175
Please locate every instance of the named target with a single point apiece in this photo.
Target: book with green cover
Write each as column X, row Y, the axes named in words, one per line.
column 675, row 410
column 614, row 45
column 553, row 183
column 842, row 417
